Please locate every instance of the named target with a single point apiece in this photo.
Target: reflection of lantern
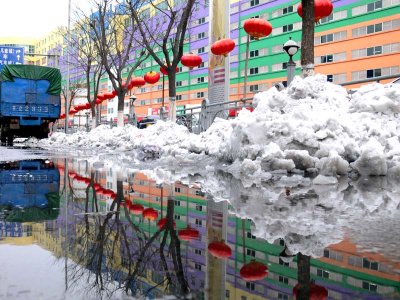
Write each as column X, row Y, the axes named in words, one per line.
column 162, row 222
column 222, row 47
column 322, row 9
column 257, row 28
column 253, row 271
column 136, row 209
column 219, row 249
column 188, row 234
column 137, row 82
column 151, row 77
column 317, row 292
column 164, row 71
column 72, row 174
column 150, row 214
column 191, row 60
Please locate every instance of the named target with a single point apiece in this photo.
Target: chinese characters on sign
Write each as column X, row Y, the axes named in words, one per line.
column 11, row 55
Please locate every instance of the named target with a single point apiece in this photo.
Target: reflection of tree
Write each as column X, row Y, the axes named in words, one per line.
column 111, row 248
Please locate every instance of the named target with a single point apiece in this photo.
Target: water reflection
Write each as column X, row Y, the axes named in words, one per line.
column 125, row 231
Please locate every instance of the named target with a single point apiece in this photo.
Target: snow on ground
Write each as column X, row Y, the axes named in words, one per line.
column 311, row 127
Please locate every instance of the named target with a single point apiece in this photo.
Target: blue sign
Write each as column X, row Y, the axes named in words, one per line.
column 11, row 55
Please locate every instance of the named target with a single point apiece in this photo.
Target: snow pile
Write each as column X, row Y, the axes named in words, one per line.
column 312, row 128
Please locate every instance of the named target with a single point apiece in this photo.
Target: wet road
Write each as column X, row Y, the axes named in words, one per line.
column 74, row 228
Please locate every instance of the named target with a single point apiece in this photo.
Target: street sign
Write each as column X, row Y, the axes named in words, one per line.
column 11, row 55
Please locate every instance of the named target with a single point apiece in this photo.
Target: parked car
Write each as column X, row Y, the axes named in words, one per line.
column 147, row 121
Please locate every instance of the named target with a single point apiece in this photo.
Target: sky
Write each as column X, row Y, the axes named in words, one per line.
column 34, row 19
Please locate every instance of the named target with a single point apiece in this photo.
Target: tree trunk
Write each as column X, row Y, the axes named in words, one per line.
column 172, row 95
column 307, row 38
column 120, row 111
column 303, row 277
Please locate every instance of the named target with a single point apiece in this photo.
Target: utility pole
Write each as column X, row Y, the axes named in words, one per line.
column 67, row 85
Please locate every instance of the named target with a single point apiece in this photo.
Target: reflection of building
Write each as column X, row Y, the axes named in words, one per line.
column 346, row 272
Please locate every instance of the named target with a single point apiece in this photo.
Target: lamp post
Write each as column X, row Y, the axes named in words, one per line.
column 291, row 49
column 132, row 116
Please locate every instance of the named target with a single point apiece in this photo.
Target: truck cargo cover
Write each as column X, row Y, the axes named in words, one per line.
column 53, row 75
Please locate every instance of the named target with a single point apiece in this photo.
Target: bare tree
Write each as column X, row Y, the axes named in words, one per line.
column 166, row 30
column 307, row 38
column 121, row 53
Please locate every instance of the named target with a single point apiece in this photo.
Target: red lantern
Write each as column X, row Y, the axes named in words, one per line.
column 164, row 71
column 62, row 116
column 108, row 95
column 151, row 77
column 101, row 96
column 191, row 60
column 97, row 187
column 150, row 214
column 162, row 222
column 317, row 292
column 98, row 101
column 115, row 93
column 188, row 234
column 322, row 9
column 257, row 28
column 253, row 271
column 108, row 193
column 219, row 249
column 87, row 106
column 72, row 174
column 136, row 209
column 222, row 47
column 73, row 111
column 137, row 82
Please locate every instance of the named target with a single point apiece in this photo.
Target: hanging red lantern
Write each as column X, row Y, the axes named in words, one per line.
column 73, row 111
column 257, row 28
column 87, row 106
column 108, row 193
column 97, row 187
column 322, row 9
column 223, row 47
column 115, row 93
column 137, row 82
column 188, row 234
column 62, row 116
column 253, row 271
column 72, row 174
column 219, row 249
column 191, row 60
column 136, row 209
column 317, row 292
column 108, row 95
column 151, row 77
column 162, row 222
column 101, row 96
column 150, row 214
column 164, row 70
column 98, row 101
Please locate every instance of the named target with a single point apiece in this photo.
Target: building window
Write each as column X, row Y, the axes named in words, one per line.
column 326, row 38
column 326, row 58
column 283, row 296
column 250, row 286
column 177, row 203
column 197, row 267
column 254, row 53
column 287, row 10
column 374, row 50
column 201, row 65
column 326, row 19
column 287, row 28
column 369, row 286
column 201, row 50
column 254, row 88
column 367, row 264
column 177, row 217
column 201, row 21
column 329, row 78
column 200, row 79
column 201, row 35
column 251, row 252
column 178, row 97
column 250, row 236
column 283, row 279
column 374, row 6
column 177, row 190
column 282, row 263
column 199, row 207
column 284, row 65
column 179, row 83
column 200, row 94
column 254, row 3
column 227, row 294
column 197, row 252
column 199, row 222
column 374, row 73
column 374, row 28
column 199, row 193
column 253, row 71
column 322, row 273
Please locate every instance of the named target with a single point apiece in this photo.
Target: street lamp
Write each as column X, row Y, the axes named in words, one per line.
column 132, row 116
column 291, row 49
